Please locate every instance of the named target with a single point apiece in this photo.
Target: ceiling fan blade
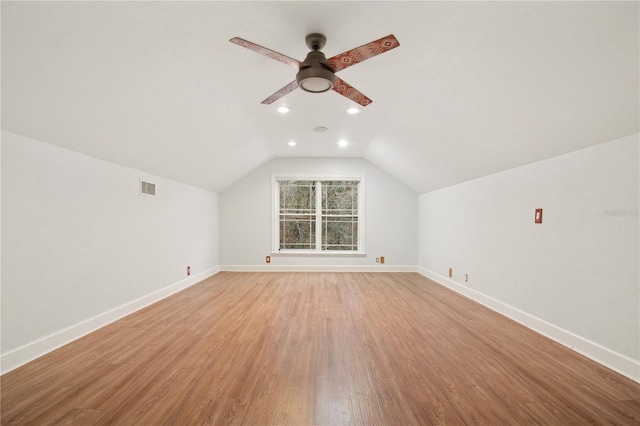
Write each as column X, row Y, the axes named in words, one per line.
column 362, row 53
column 345, row 89
column 280, row 93
column 266, row 52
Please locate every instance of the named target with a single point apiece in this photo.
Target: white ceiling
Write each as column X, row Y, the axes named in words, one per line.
column 473, row 89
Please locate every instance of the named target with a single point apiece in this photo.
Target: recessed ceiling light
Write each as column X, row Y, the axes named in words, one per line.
column 292, row 143
column 353, row 110
column 343, row 143
column 283, row 109
column 320, row 129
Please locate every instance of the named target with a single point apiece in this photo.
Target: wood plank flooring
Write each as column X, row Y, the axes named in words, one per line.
column 316, row 348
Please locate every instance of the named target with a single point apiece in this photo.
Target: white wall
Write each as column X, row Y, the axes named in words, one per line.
column 81, row 247
column 245, row 218
column 575, row 276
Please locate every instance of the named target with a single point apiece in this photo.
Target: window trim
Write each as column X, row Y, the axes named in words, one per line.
column 275, row 215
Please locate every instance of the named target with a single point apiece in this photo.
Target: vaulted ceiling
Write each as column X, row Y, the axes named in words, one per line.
column 473, row 89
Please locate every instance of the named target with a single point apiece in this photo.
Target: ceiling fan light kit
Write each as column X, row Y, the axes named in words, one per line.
column 317, row 73
column 316, row 79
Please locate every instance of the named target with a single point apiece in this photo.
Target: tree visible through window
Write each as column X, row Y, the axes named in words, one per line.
column 318, row 215
column 339, row 215
column 297, row 215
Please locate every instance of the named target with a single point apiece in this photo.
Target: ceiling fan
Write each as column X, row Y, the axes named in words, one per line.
column 316, row 74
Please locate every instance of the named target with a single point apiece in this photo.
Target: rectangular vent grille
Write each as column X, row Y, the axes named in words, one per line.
column 147, row 188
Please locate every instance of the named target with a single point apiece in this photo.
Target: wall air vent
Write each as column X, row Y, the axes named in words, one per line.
column 147, row 188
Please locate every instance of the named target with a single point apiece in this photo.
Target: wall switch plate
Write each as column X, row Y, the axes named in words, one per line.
column 538, row 217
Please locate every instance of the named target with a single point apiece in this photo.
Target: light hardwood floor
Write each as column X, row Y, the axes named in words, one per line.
column 316, row 348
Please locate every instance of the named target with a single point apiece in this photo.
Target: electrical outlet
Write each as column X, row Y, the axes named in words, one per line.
column 381, row 259
column 466, row 278
column 450, row 272
column 268, row 259
column 377, row 260
column 188, row 270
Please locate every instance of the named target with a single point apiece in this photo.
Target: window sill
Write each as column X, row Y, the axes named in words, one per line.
column 319, row 254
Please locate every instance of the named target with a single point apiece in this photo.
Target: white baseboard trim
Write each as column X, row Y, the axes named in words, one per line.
column 320, row 268
column 27, row 353
column 622, row 364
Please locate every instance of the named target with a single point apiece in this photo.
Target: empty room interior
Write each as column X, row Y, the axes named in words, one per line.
column 320, row 213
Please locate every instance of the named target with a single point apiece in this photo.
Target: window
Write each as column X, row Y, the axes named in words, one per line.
column 318, row 215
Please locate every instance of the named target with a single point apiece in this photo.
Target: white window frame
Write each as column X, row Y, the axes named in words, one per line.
column 275, row 216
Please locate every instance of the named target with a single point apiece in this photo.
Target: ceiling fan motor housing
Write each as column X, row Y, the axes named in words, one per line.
column 315, row 76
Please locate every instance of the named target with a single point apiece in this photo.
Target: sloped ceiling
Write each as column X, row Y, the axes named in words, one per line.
column 474, row 88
